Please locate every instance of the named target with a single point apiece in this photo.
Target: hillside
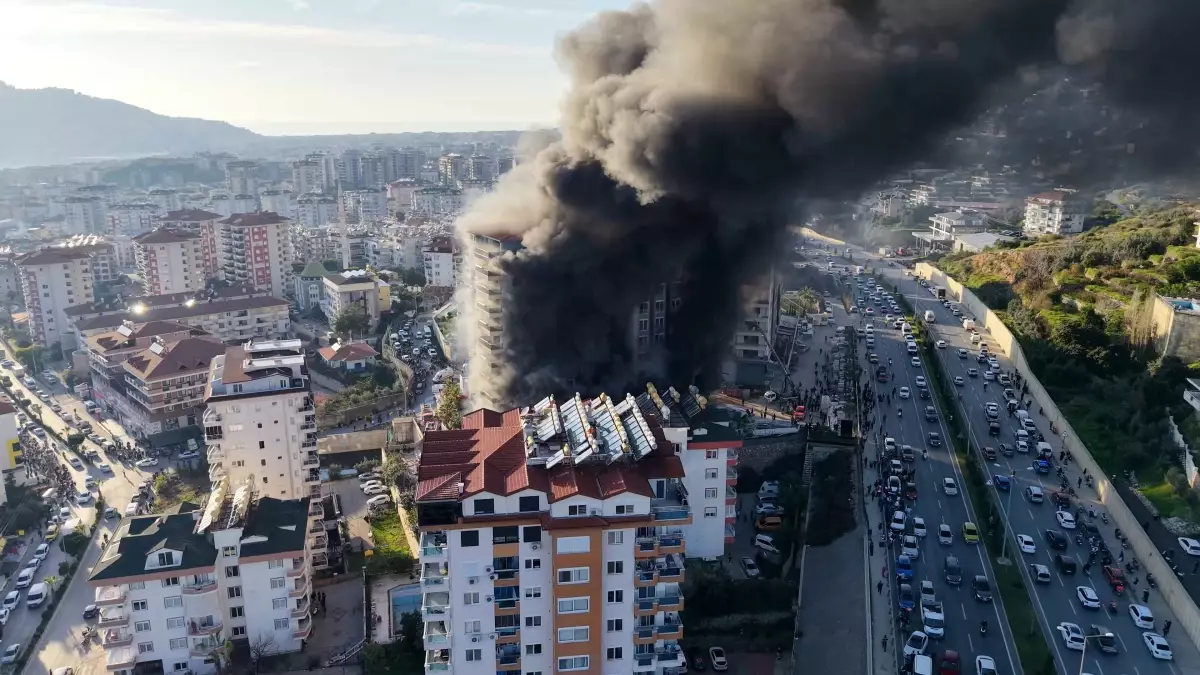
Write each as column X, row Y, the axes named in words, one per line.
column 58, row 126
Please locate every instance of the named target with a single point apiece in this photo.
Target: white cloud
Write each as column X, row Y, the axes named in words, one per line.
column 24, row 19
column 468, row 7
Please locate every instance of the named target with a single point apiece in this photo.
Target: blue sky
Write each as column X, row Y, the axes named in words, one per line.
column 303, row 66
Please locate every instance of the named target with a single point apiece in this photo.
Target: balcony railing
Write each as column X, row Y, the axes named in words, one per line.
column 110, row 595
column 203, row 627
column 680, row 512
column 117, row 638
column 311, row 459
column 197, row 588
column 112, row 619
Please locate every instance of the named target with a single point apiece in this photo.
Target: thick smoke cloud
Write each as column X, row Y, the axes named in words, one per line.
column 692, row 127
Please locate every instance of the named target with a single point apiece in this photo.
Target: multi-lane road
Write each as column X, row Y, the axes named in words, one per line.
column 1055, row 602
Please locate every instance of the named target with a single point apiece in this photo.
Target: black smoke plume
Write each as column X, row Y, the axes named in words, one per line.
column 692, row 128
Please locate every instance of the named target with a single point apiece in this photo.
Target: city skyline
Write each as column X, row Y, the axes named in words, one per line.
column 284, row 67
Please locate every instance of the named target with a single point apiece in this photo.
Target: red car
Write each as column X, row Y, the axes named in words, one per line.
column 1115, row 578
column 948, row 663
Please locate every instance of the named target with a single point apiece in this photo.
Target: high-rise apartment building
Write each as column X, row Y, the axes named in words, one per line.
column 166, row 199
column 53, row 280
column 85, row 215
column 349, row 169
column 482, row 167
column 442, row 260
column 307, row 176
column 132, row 218
column 173, row 588
column 170, row 261
column 1054, row 212
column 241, row 177
column 329, row 169
column 433, row 202
column 553, row 536
column 316, row 210
column 282, row 202
column 452, row 168
column 405, row 163
column 255, row 249
column 203, row 223
column 367, row 204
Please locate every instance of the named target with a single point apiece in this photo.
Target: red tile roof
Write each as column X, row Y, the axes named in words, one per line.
column 165, row 235
column 354, row 351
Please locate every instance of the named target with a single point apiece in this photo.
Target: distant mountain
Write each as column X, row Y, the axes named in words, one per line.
column 60, row 126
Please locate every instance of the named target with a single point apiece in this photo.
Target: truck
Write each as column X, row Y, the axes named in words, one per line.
column 929, row 317
column 18, row 370
column 940, row 293
column 969, row 324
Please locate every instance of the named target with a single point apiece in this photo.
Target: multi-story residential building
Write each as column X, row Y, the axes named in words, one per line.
column 203, row 223
column 329, row 170
column 255, row 249
column 10, row 282
column 482, row 167
column 441, row 260
column 282, row 202
column 108, row 350
column 313, row 211
column 309, row 286
column 107, row 193
column 242, row 178
column 315, row 244
column 11, row 460
column 754, row 334
column 173, row 588
column 227, row 319
column 167, row 199
column 170, row 261
column 352, row 245
column 652, row 320
column 436, row 201
column 488, row 285
column 405, row 163
column 408, row 252
column 53, row 280
column 367, row 204
column 349, row 169
column 106, row 260
column 504, row 165
column 553, row 537
column 400, row 195
column 222, row 204
column 355, row 287
column 132, row 219
column 243, row 203
column 307, row 176
column 1054, row 212
column 83, row 215
column 474, row 188
column 947, row 226
column 452, row 168
column 380, row 254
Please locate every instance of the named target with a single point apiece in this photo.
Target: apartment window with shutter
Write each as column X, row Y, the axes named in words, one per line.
column 711, row 454
column 710, row 493
column 710, row 474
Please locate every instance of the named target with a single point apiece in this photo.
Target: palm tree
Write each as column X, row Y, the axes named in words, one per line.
column 52, row 582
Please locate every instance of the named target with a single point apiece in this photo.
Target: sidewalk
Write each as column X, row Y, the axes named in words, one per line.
column 881, row 626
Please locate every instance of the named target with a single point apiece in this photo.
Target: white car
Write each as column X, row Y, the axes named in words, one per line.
column 916, row 362
column 933, row 620
column 376, row 489
column 910, row 547
column 149, row 461
column 949, row 486
column 945, row 535
column 985, row 665
column 889, row 444
column 83, row 497
column 1065, row 519
column 921, row 383
column 905, row 393
column 1026, row 543
column 189, row 454
column 917, row 643
column 1157, row 645
column 10, row 654
column 4, row 616
column 371, row 483
column 11, row 600
column 378, row 501
column 940, row 344
column 1072, row 636
column 962, row 353
column 898, row 521
column 958, row 381
column 1087, row 597
column 1141, row 616
column 1190, row 546
column 919, row 527
column 989, row 375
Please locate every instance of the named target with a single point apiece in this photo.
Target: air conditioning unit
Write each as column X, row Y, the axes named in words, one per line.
column 474, row 638
column 488, row 569
column 472, row 580
column 491, row 636
column 492, row 577
column 534, row 547
column 490, row 598
column 594, row 512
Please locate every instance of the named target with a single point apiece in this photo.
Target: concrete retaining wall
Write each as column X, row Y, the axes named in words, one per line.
column 1178, row 599
column 759, row 455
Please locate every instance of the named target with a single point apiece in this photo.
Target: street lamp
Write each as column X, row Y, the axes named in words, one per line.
column 1083, row 654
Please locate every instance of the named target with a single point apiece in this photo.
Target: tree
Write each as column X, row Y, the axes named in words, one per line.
column 332, row 265
column 262, row 646
column 395, row 472
column 29, row 356
column 69, row 380
column 75, row 544
column 352, row 320
column 74, row 441
column 383, row 375
column 449, row 411
column 55, row 352
column 413, row 277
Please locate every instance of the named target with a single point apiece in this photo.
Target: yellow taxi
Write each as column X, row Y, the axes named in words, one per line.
column 52, row 532
column 970, row 533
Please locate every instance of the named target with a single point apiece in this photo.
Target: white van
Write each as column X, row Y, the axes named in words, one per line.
column 25, row 577
column 765, row 542
column 131, row 510
column 36, row 596
column 929, row 316
column 1022, row 414
column 922, row 665
column 905, row 328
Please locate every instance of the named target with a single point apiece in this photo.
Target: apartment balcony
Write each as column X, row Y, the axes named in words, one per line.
column 644, row 635
column 200, row 588
column 320, row 561
column 215, row 453
column 437, row 635
column 730, row 495
column 214, row 436
column 315, row 508
column 216, row 472
column 645, row 607
column 645, row 578
column 110, row 595
column 508, row 635
column 314, row 492
column 210, row 418
column 306, row 407
column 433, row 546
column 671, row 513
column 504, row 578
column 301, row 608
column 670, row 603
column 310, row 460
column 731, row 477
column 508, row 657
column 308, row 426
column 435, row 605
column 207, row 626
column 645, row 548
column 299, row 588
column 116, row 637
column 311, row 476
column 434, row 575
column 643, row 664
column 670, row 656
column 671, row 628
column 303, row 629
column 508, row 606
column 671, row 570
column 120, row 658
column 669, row 544
column 113, row 618
column 309, row 444
column 731, row 456
column 205, row 648
column 437, row 661
column 297, row 568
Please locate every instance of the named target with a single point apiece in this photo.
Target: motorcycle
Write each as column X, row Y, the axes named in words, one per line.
column 1150, row 580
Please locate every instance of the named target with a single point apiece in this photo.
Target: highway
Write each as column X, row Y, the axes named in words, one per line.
column 963, row 613
column 1056, row 601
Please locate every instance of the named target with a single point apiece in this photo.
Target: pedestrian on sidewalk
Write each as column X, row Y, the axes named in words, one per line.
column 1166, row 627
column 885, row 642
column 879, row 587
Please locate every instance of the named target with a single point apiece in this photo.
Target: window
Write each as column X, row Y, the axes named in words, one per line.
column 145, row 647
column 710, row 512
column 137, row 585
column 262, row 445
column 173, row 601
column 140, row 605
column 711, row 454
column 281, row 624
column 175, row 622
column 470, row 598
column 278, row 603
column 508, row 534
column 274, row 564
column 533, row 564
column 573, row 544
column 624, row 509
column 141, row 626
column 572, row 605
column 531, row 534
column 237, row 612
column 229, row 551
column 710, row 474
column 235, row 591
column 231, row 571
column 710, row 493
column 239, row 631
column 615, row 654
column 179, row 643
column 616, row 567
column 573, row 663
column 469, row 538
column 471, row 627
column 531, row 650
column 166, row 558
column 474, row 654
column 485, row 507
column 573, row 575
column 616, row 625
column 533, row 621
column 616, row 538
column 616, row 596
column 528, row 504
column 170, row 581
column 278, row 582
column 577, row 510
column 578, row 634
column 533, row 592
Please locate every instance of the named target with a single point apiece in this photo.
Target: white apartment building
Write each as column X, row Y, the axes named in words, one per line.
column 482, row 168
column 255, row 249
column 760, row 317
column 222, row 204
column 53, row 280
column 11, row 461
column 167, row 199
column 400, row 194
column 313, row 211
column 436, row 201
column 355, row 287
column 441, row 262
column 452, row 168
column 106, row 259
column 553, row 537
column 381, row 254
column 234, row 319
column 282, row 202
column 243, row 203
column 307, row 176
column 107, row 352
column 1054, row 212
column 132, row 219
column 951, row 224
column 83, row 215
column 170, row 261
column 242, row 178
column 329, row 170
column 173, row 588
column 203, row 223
column 368, row 204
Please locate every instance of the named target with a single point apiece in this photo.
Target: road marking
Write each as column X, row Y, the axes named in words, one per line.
column 1098, row 668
